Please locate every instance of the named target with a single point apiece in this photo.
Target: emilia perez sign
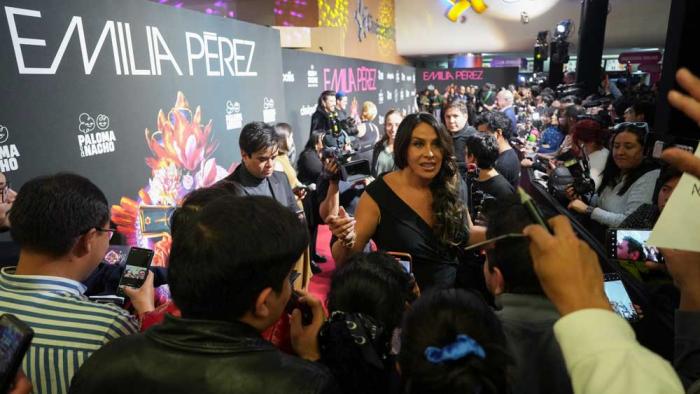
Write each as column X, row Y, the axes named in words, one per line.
column 214, row 55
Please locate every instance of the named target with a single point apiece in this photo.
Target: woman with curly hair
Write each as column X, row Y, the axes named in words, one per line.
column 415, row 209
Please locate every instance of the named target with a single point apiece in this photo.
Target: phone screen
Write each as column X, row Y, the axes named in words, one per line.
column 406, row 265
column 136, row 269
column 630, row 244
column 15, row 337
column 619, row 300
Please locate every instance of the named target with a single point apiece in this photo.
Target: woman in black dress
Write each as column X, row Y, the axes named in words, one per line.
column 309, row 167
column 416, row 209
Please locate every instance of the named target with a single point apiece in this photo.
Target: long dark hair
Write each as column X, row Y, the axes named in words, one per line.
column 450, row 213
column 436, row 319
column 612, row 172
column 322, row 97
column 366, row 301
column 313, row 139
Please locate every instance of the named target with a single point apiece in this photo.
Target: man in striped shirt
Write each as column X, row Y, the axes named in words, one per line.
column 60, row 223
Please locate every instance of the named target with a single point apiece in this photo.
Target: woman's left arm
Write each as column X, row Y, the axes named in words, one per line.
column 640, row 192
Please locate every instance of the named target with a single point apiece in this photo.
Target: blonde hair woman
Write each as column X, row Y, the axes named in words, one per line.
column 367, row 132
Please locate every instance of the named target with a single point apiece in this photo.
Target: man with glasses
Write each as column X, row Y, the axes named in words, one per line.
column 61, row 223
column 256, row 175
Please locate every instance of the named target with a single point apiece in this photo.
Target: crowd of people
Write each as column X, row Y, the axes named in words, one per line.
column 446, row 280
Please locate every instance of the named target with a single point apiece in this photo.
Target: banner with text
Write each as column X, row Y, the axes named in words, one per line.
column 442, row 77
column 307, row 74
column 146, row 100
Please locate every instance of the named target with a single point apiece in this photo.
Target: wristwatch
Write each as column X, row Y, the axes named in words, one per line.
column 589, row 210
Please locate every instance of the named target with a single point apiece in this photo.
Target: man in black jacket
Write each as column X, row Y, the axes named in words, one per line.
column 230, row 276
column 527, row 315
column 456, row 117
column 498, row 125
column 256, row 175
column 326, row 116
column 330, row 117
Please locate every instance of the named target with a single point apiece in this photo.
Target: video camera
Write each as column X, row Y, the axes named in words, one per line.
column 575, row 172
column 348, row 170
column 336, row 154
column 479, row 203
column 349, row 124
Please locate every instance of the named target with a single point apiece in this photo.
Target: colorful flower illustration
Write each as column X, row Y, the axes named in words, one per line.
column 182, row 161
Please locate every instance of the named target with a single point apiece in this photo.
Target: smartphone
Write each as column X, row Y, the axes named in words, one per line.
column 15, row 338
column 631, row 244
column 619, row 300
column 135, row 269
column 307, row 316
column 404, row 259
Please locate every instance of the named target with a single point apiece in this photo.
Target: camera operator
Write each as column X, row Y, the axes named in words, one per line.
column 551, row 137
column 590, row 136
column 629, row 179
column 498, row 125
column 567, row 118
column 334, row 192
column 347, row 123
column 482, row 150
column 328, row 118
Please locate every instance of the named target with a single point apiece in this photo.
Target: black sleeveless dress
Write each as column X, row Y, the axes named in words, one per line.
column 401, row 229
column 365, row 144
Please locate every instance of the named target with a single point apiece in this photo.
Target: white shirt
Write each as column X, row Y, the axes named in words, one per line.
column 603, row 356
column 596, row 162
column 612, row 209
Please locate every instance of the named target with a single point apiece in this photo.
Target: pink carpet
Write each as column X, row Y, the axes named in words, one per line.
column 320, row 283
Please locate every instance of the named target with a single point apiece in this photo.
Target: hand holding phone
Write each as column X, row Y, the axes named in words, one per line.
column 15, row 338
column 135, row 269
column 620, row 300
column 631, row 244
column 567, row 267
column 294, row 302
column 305, row 336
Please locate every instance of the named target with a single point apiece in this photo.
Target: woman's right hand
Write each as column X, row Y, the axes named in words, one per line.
column 342, row 225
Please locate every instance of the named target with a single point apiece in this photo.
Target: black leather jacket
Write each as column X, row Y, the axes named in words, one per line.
column 196, row 356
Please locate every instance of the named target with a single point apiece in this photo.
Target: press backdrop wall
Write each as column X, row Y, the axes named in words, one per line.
column 306, row 75
column 83, row 83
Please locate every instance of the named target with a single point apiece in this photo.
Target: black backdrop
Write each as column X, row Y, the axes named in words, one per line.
column 83, row 80
column 43, row 112
column 440, row 78
column 307, row 74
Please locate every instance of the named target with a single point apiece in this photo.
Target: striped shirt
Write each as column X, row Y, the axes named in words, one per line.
column 68, row 327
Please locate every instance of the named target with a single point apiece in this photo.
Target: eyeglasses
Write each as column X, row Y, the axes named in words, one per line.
column 641, row 126
column 110, row 231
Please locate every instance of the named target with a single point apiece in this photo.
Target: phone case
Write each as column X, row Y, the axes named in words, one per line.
column 23, row 334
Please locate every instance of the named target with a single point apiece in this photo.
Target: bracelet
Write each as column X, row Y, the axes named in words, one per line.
column 589, row 210
column 348, row 244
